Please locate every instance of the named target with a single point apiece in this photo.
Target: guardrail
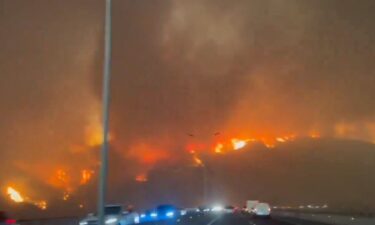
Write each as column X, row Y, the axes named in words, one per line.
column 326, row 218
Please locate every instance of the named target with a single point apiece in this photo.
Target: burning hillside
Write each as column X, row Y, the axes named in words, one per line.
column 234, row 76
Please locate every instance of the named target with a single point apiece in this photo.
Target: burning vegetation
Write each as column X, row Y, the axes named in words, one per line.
column 17, row 197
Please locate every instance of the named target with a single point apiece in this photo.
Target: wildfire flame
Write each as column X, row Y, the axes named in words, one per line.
column 62, row 176
column 198, row 161
column 86, row 176
column 238, row 144
column 219, row 148
column 14, row 195
column 268, row 142
column 41, row 204
column 280, row 139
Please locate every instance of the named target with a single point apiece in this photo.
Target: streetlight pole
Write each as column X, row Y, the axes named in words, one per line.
column 204, row 171
column 205, row 182
column 106, row 100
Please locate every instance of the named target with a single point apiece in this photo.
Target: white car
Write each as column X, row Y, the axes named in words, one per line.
column 114, row 215
column 262, row 210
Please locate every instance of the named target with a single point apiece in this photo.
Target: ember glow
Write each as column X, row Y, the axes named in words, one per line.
column 61, row 179
column 197, row 161
column 41, row 204
column 86, row 176
column 141, row 178
column 66, row 196
column 219, row 148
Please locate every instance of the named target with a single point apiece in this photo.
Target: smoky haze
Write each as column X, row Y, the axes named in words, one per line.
column 244, row 68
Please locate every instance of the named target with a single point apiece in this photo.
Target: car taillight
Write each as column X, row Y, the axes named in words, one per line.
column 10, row 221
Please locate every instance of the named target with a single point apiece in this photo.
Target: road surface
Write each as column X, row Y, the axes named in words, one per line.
column 197, row 219
column 230, row 219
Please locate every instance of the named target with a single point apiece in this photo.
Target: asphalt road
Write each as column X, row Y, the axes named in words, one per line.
column 230, row 219
column 197, row 219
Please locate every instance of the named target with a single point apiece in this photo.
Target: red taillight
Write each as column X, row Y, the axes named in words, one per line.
column 10, row 221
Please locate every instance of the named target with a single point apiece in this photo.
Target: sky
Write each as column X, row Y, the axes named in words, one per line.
column 247, row 69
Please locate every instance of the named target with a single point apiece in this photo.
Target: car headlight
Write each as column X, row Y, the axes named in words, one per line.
column 83, row 223
column 111, row 220
column 183, row 212
column 143, row 215
column 217, row 208
column 154, row 214
column 169, row 214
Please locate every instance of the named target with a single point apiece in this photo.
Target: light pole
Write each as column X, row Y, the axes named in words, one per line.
column 106, row 100
column 204, row 171
column 205, row 181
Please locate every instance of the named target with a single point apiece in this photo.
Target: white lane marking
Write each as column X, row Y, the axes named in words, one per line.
column 213, row 221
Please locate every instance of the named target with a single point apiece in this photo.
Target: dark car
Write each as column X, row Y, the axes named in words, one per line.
column 167, row 212
column 148, row 215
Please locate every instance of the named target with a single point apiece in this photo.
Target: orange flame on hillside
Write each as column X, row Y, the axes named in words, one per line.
column 238, row 144
column 41, row 204
column 14, row 195
column 219, row 148
column 86, row 176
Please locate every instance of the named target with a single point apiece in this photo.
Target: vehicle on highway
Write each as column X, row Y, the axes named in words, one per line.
column 148, row 216
column 250, row 205
column 167, row 212
column 5, row 220
column 204, row 208
column 191, row 211
column 114, row 215
column 217, row 208
column 262, row 210
column 229, row 209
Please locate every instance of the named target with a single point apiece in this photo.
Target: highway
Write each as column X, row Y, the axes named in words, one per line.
column 230, row 219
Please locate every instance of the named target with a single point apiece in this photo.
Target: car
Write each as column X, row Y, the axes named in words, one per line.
column 5, row 220
column 167, row 212
column 204, row 208
column 229, row 209
column 114, row 215
column 262, row 210
column 148, row 216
